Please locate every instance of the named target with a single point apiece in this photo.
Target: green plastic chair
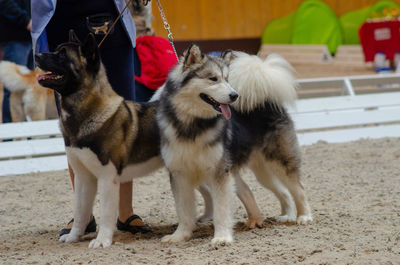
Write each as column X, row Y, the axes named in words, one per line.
column 351, row 22
column 279, row 30
column 316, row 23
column 378, row 7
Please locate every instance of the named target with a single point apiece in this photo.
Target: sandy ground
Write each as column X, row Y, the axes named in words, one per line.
column 354, row 190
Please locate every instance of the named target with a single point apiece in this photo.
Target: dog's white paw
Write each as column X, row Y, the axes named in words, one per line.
column 304, row 219
column 286, row 219
column 176, row 238
column 104, row 242
column 204, row 218
column 69, row 238
column 222, row 240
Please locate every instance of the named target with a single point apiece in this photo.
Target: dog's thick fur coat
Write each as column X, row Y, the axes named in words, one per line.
column 199, row 146
column 262, row 134
column 108, row 140
column 192, row 146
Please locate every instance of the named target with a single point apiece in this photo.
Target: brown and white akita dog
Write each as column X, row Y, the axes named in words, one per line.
column 108, row 140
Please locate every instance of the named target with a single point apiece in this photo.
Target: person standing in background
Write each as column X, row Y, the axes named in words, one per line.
column 154, row 56
column 51, row 22
column 15, row 39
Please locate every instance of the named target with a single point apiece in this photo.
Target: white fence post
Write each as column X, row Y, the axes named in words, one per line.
column 348, row 87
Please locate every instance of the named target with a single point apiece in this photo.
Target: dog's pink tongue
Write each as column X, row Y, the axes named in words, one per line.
column 43, row 77
column 226, row 111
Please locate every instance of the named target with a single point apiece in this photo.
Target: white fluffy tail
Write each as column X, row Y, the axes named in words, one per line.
column 258, row 81
column 15, row 77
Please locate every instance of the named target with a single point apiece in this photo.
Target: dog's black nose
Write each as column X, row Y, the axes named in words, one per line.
column 233, row 96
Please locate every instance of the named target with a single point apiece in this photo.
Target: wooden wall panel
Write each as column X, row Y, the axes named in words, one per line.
column 230, row 19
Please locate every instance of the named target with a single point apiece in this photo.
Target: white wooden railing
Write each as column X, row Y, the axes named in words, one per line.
column 38, row 146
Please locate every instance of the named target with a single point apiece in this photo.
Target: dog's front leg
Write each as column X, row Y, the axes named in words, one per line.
column 184, row 196
column 108, row 187
column 84, row 193
column 222, row 194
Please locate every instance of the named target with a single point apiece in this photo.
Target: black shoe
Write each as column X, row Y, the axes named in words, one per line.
column 133, row 228
column 90, row 228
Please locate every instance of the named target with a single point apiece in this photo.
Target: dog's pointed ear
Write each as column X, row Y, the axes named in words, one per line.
column 192, row 56
column 91, row 52
column 73, row 37
column 228, row 56
column 89, row 48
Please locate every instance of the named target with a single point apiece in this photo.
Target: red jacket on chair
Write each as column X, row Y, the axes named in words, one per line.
column 156, row 58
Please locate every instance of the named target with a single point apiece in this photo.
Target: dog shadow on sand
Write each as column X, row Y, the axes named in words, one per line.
column 202, row 231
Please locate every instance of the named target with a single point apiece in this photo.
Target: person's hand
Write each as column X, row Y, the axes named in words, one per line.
column 29, row 26
column 143, row 2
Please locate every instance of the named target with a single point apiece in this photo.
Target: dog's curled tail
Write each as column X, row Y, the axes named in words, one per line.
column 16, row 77
column 259, row 81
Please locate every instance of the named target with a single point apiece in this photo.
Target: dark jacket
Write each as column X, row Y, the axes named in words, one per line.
column 14, row 18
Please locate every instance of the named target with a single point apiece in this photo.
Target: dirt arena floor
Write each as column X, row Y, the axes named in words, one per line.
column 354, row 191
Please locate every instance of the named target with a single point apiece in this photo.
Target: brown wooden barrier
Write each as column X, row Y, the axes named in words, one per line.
column 232, row 19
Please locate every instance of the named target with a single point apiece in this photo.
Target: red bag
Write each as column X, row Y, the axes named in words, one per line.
column 156, row 58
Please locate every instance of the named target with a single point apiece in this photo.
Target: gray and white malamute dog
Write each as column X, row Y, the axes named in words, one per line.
column 200, row 146
column 108, row 140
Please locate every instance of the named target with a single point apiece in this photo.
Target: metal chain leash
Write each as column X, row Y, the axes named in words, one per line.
column 164, row 18
column 167, row 27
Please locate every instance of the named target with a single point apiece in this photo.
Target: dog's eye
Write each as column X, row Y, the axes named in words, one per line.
column 214, row 79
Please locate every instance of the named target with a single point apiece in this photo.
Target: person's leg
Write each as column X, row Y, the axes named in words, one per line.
column 16, row 52
column 142, row 93
column 120, row 70
column 6, row 106
column 30, row 62
column 125, row 205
